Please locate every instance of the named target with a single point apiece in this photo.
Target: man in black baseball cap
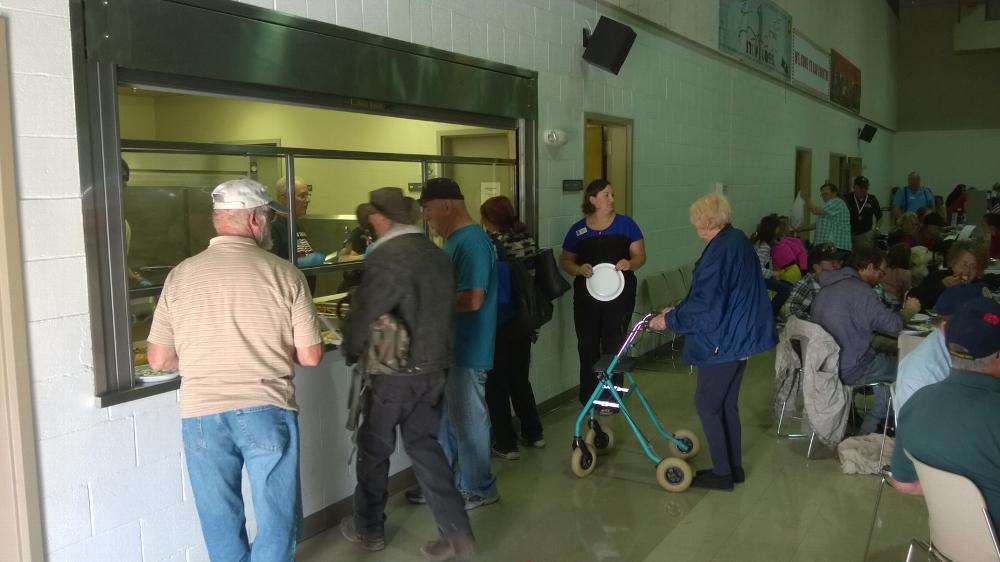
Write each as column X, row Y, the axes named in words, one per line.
column 954, row 425
column 866, row 214
column 822, row 257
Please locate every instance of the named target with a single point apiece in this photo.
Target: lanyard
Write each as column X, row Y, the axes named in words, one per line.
column 860, row 206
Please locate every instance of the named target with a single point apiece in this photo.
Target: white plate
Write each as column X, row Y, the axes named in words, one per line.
column 606, row 283
column 919, row 318
column 144, row 374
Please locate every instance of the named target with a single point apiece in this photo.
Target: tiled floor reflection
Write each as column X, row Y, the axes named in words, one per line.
column 789, row 509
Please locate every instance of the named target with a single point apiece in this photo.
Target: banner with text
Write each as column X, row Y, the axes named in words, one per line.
column 845, row 82
column 810, row 66
column 758, row 32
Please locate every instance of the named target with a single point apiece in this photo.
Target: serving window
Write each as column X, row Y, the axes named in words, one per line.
column 176, row 147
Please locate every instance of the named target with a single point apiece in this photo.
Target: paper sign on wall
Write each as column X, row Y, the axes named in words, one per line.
column 810, row 66
column 488, row 189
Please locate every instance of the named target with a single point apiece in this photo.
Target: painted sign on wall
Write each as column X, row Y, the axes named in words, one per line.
column 845, row 82
column 810, row 66
column 758, row 32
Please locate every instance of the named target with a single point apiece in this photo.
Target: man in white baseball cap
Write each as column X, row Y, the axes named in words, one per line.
column 233, row 319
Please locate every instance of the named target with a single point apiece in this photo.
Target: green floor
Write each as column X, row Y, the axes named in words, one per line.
column 788, row 509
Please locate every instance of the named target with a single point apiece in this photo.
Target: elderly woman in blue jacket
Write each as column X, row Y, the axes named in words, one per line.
column 725, row 318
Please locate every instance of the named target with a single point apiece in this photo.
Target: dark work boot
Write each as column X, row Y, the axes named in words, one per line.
column 713, row 481
column 738, row 475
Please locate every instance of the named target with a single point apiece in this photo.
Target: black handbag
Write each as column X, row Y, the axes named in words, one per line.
column 548, row 278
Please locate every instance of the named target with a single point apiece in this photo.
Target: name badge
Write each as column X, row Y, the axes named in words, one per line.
column 582, row 231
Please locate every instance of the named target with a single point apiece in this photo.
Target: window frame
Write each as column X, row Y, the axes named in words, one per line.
column 129, row 46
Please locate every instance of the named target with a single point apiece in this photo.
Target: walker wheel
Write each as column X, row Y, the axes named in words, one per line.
column 582, row 462
column 674, row 474
column 602, row 442
column 687, row 437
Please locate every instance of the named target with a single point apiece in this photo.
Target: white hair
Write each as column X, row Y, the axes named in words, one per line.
column 237, row 217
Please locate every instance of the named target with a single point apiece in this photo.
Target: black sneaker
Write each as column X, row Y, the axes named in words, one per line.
column 415, row 495
column 372, row 542
column 506, row 454
column 713, row 481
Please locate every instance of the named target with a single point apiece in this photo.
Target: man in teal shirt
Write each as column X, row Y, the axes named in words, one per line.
column 954, row 425
column 465, row 423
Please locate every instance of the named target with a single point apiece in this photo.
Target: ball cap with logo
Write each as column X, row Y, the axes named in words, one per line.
column 244, row 193
column 974, row 331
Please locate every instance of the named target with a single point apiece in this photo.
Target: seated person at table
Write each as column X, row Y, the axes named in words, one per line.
column 966, row 261
column 764, row 240
column 954, row 425
column 906, row 231
column 789, row 256
column 897, row 279
column 929, row 233
column 930, row 362
column 991, row 226
column 823, row 257
column 850, row 311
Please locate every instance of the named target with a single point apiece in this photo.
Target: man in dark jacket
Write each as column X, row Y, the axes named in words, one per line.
column 849, row 309
column 408, row 277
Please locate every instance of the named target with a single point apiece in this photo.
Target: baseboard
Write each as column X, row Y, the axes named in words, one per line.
column 546, row 406
column 330, row 516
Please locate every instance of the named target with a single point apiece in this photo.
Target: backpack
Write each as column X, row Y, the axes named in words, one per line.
column 521, row 306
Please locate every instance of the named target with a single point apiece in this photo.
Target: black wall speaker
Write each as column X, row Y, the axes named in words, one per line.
column 867, row 133
column 608, row 46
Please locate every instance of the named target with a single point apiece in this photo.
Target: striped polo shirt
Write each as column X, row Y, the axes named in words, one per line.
column 234, row 313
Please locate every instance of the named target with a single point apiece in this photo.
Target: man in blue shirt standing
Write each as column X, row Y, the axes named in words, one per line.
column 912, row 198
column 465, row 423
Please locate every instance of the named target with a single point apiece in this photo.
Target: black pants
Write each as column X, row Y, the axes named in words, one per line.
column 600, row 330
column 414, row 404
column 717, row 402
column 508, row 384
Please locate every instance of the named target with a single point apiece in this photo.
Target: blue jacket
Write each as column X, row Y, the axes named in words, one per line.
column 726, row 315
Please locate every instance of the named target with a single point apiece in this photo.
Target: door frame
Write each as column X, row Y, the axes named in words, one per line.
column 20, row 513
column 628, row 124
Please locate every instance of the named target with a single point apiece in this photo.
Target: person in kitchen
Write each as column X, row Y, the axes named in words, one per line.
column 601, row 236
column 305, row 254
column 233, row 320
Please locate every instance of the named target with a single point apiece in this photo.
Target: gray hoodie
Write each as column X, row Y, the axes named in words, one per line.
column 851, row 312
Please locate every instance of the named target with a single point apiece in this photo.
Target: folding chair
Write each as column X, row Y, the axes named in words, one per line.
column 960, row 525
column 795, row 382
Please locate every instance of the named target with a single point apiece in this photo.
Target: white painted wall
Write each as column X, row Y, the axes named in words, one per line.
column 948, row 158
column 112, row 479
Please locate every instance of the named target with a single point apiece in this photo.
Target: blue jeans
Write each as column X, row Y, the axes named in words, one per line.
column 782, row 290
column 217, row 446
column 881, row 369
column 465, row 431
